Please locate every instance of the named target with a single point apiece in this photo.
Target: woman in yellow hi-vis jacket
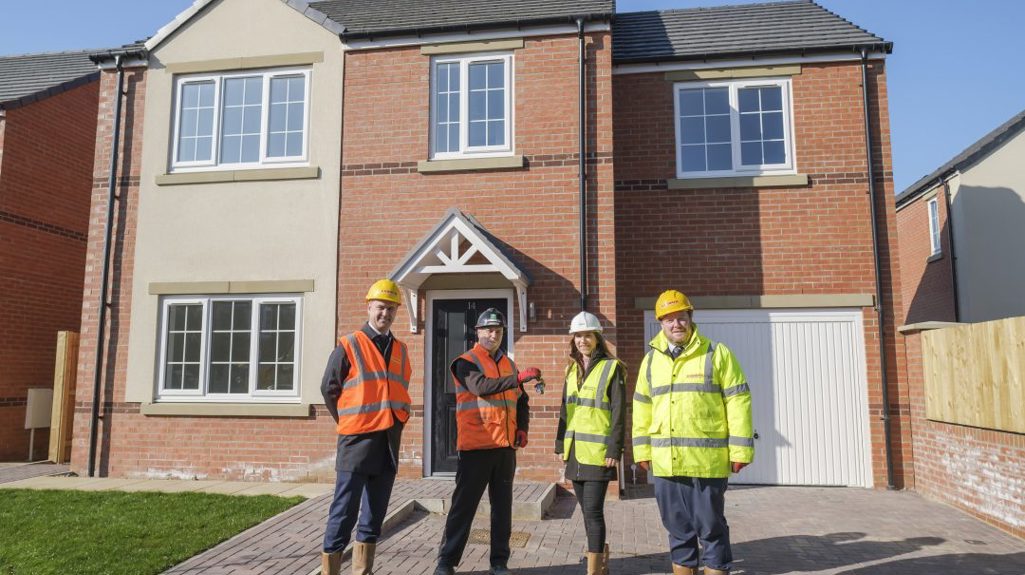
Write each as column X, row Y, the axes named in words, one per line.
column 691, row 428
column 592, row 427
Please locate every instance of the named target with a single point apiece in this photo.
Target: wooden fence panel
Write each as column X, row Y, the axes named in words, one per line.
column 975, row 374
column 64, row 378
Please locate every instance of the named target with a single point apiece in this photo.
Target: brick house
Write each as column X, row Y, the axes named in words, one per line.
column 283, row 158
column 47, row 138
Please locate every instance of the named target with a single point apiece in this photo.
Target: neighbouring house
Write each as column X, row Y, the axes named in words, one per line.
column 963, row 262
column 278, row 157
column 48, row 105
column 962, row 250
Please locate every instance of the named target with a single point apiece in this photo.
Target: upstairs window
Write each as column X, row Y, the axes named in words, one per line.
column 241, row 120
column 733, row 128
column 934, row 226
column 471, row 106
column 230, row 348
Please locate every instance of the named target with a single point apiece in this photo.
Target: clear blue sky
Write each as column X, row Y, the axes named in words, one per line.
column 954, row 75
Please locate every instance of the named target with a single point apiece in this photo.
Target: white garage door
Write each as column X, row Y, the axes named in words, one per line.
column 806, row 369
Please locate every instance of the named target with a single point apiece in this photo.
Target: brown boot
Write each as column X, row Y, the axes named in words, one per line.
column 682, row 570
column 595, row 563
column 363, row 558
column 710, row 571
column 330, row 563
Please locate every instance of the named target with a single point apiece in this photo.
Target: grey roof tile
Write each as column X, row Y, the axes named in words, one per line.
column 723, row 31
column 27, row 75
column 363, row 18
column 968, row 157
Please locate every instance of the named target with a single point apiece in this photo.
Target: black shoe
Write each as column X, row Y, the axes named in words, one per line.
column 499, row 570
column 444, row 570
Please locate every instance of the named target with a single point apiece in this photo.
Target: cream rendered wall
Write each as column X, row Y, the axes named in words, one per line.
column 240, row 231
column 988, row 206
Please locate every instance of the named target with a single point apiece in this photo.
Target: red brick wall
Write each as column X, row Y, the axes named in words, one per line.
column 928, row 287
column 979, row 471
column 741, row 241
column 387, row 207
column 45, row 176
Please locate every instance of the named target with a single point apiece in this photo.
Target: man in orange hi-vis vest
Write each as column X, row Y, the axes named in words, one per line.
column 492, row 415
column 365, row 388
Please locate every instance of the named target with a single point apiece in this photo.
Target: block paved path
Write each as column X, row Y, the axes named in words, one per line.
column 11, row 472
column 776, row 531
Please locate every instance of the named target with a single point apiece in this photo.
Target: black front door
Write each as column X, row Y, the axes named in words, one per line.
column 453, row 334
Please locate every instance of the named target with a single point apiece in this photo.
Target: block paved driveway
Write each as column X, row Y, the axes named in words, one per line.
column 775, row 530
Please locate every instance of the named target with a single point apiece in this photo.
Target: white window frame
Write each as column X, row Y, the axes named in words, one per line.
column 202, row 394
column 933, row 208
column 788, row 167
column 465, row 150
column 264, row 161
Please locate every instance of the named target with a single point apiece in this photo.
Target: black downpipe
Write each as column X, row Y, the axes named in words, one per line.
column 879, row 279
column 583, row 168
column 107, row 231
column 950, row 244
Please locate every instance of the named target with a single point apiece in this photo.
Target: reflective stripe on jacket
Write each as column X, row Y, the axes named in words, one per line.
column 691, row 415
column 373, row 396
column 588, row 413
column 487, row 421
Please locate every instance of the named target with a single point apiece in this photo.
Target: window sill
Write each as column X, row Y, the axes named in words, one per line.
column 227, row 409
column 934, row 257
column 469, row 164
column 787, row 181
column 254, row 175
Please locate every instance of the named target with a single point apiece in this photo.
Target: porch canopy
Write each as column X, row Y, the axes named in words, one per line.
column 457, row 254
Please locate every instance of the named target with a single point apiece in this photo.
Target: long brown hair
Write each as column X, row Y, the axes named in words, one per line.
column 577, row 358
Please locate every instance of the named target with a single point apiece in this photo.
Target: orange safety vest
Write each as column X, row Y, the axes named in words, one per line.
column 488, row 421
column 373, row 395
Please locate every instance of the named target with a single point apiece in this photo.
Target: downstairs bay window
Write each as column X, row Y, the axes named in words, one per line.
column 733, row 128
column 230, row 348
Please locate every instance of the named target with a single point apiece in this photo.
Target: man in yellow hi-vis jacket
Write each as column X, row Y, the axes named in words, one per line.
column 691, row 428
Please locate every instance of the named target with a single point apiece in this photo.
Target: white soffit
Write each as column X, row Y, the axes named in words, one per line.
column 457, row 245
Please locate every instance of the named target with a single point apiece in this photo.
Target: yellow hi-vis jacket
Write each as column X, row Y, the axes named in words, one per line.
column 589, row 413
column 691, row 415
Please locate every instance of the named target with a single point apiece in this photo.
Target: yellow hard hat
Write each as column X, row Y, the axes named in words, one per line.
column 671, row 301
column 385, row 290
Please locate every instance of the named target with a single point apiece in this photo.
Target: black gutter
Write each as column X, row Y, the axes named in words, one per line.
column 950, row 244
column 104, row 277
column 470, row 27
column 582, row 95
column 886, row 47
column 879, row 280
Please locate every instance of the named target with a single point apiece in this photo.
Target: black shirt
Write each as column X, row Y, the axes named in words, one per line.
column 371, row 453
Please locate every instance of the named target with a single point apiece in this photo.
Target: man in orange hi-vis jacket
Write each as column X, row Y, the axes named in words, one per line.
column 492, row 415
column 365, row 388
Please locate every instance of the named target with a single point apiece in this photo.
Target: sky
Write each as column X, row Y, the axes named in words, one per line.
column 954, row 75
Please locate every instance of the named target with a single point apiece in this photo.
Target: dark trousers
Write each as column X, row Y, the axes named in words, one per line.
column 692, row 511
column 493, row 469
column 352, row 489
column 591, row 497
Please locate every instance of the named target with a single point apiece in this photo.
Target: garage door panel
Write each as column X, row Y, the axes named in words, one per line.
column 806, row 372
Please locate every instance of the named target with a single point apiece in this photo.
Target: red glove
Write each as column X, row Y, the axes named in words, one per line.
column 521, row 438
column 528, row 374
column 736, row 466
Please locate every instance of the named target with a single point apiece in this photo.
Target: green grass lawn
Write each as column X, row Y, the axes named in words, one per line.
column 82, row 532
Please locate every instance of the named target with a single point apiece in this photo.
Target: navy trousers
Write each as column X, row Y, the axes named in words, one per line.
column 352, row 489
column 692, row 511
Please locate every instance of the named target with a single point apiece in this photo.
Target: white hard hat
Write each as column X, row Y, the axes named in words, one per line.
column 584, row 321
